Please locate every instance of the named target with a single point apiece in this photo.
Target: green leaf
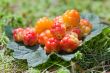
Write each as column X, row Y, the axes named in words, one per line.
column 36, row 58
column 69, row 57
column 66, row 57
column 34, row 55
column 8, row 30
column 78, row 55
column 94, row 20
column 32, row 70
column 95, row 32
column 97, row 26
column 63, row 70
column 106, row 32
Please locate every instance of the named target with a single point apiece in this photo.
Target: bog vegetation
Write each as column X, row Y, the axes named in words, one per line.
column 92, row 56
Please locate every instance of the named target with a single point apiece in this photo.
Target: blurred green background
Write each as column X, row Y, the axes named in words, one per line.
column 22, row 13
column 26, row 12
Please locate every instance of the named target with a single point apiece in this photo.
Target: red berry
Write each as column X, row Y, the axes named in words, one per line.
column 58, row 30
column 52, row 45
column 69, row 43
column 18, row 34
column 72, row 34
column 77, row 31
column 44, row 36
column 30, row 37
column 58, row 19
column 85, row 27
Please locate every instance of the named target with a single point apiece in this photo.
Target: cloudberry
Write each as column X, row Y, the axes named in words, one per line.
column 30, row 37
column 78, row 32
column 58, row 19
column 52, row 45
column 58, row 30
column 44, row 36
column 85, row 26
column 71, row 18
column 43, row 24
column 69, row 43
column 18, row 34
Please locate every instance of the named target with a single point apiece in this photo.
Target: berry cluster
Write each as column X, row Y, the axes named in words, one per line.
column 62, row 34
column 27, row 35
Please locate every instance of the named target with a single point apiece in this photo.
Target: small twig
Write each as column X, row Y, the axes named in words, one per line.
column 47, row 68
column 1, row 47
column 73, row 67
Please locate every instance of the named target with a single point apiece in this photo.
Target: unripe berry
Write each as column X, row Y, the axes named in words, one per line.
column 69, row 43
column 78, row 32
column 58, row 19
column 52, row 45
column 30, row 37
column 18, row 34
column 58, row 30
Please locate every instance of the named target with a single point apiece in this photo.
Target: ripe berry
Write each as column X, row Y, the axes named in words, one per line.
column 77, row 31
column 69, row 43
column 85, row 27
column 58, row 30
column 52, row 45
column 44, row 36
column 71, row 18
column 18, row 34
column 43, row 24
column 30, row 37
column 58, row 19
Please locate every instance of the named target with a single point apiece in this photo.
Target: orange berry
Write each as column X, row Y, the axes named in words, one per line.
column 71, row 18
column 44, row 36
column 43, row 24
column 85, row 27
